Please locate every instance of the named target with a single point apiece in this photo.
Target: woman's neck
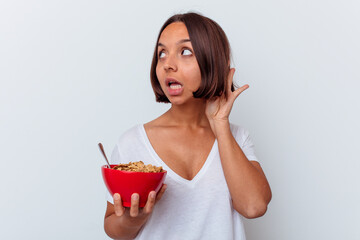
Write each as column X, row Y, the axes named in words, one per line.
column 189, row 115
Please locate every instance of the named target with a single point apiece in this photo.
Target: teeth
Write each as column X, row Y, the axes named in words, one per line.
column 175, row 86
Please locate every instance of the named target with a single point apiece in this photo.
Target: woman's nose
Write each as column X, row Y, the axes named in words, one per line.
column 170, row 63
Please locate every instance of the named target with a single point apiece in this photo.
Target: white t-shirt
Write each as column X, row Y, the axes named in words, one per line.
column 195, row 209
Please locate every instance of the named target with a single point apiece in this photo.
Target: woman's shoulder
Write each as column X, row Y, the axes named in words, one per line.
column 130, row 135
column 137, row 131
column 131, row 130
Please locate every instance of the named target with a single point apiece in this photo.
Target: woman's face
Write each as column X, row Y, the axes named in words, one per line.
column 177, row 69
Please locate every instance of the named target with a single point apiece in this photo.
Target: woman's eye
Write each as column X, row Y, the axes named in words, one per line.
column 187, row 52
column 160, row 54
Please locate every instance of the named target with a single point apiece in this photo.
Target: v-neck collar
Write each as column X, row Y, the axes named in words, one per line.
column 172, row 173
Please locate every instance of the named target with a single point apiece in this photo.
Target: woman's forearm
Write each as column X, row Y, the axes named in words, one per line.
column 249, row 189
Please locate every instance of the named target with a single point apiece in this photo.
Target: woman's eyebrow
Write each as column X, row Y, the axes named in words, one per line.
column 181, row 41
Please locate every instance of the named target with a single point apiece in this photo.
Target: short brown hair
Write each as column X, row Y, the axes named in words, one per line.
column 212, row 51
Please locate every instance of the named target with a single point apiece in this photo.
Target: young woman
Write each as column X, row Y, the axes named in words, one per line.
column 214, row 178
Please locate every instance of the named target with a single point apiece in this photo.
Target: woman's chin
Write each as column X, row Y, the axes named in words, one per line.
column 178, row 101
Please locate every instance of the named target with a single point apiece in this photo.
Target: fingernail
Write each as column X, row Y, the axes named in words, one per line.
column 135, row 197
column 152, row 195
column 116, row 196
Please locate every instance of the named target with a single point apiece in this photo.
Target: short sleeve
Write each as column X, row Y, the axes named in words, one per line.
column 246, row 144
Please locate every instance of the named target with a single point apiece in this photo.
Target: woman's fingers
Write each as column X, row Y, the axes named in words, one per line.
column 118, row 207
column 153, row 198
column 134, row 209
column 240, row 90
column 161, row 192
column 150, row 203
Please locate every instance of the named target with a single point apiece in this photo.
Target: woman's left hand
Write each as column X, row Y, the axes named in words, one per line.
column 218, row 109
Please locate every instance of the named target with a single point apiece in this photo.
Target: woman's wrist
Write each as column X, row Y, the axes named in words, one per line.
column 123, row 227
column 220, row 127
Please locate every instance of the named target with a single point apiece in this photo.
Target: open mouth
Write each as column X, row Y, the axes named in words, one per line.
column 174, row 87
column 173, row 84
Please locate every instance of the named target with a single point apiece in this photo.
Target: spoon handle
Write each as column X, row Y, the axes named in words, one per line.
column 103, row 153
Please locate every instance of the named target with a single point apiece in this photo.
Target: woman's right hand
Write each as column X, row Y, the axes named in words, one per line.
column 124, row 222
column 135, row 213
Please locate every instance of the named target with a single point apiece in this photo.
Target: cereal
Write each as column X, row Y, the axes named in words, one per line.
column 138, row 167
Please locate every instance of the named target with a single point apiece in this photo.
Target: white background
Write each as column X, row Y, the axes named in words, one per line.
column 75, row 73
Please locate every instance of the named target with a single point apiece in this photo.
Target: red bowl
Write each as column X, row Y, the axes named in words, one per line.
column 126, row 183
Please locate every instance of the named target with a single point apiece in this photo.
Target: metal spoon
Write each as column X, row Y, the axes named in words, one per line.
column 103, row 152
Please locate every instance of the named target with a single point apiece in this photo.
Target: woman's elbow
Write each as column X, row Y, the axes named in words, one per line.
column 257, row 208
column 252, row 210
column 255, row 211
